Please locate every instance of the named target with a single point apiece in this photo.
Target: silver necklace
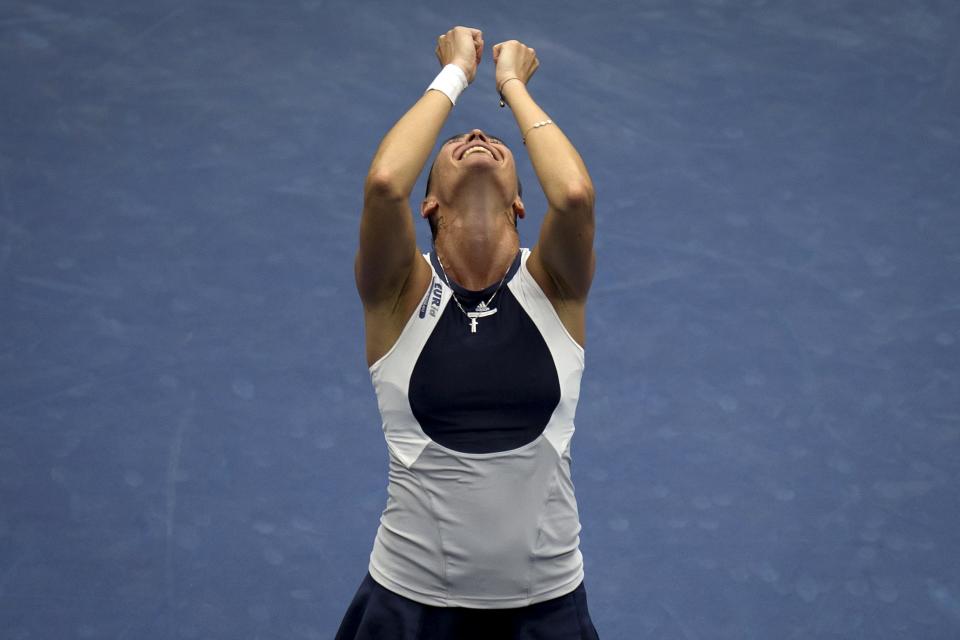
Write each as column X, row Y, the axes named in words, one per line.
column 483, row 309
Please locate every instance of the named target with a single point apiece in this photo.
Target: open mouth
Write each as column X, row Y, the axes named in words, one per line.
column 475, row 149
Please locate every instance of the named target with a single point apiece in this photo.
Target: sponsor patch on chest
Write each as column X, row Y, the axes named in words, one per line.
column 432, row 303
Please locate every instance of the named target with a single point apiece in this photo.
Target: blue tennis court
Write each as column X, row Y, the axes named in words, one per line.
column 768, row 431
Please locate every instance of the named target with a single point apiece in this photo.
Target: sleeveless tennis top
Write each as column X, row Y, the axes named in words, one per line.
column 478, row 418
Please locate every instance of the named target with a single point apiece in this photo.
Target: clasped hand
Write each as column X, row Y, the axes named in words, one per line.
column 463, row 47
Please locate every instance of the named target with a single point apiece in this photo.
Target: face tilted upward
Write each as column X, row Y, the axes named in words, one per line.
column 466, row 149
column 450, row 159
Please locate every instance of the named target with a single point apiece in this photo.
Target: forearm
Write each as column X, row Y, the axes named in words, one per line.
column 404, row 151
column 558, row 166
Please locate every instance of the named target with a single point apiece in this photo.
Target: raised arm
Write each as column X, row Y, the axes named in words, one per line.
column 565, row 247
column 388, row 247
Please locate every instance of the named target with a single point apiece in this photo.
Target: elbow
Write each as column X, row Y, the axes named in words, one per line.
column 580, row 196
column 382, row 184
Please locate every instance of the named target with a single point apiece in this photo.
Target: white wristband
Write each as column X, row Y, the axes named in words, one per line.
column 451, row 80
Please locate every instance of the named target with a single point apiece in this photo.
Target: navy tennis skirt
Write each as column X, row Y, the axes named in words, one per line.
column 376, row 613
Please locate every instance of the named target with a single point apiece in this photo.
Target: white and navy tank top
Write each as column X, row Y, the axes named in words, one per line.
column 478, row 419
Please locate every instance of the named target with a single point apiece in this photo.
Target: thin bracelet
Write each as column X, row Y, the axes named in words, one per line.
column 500, row 89
column 542, row 123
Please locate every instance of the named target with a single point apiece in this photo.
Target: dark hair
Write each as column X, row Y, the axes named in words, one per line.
column 430, row 220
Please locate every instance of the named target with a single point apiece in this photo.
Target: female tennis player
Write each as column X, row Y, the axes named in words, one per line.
column 475, row 351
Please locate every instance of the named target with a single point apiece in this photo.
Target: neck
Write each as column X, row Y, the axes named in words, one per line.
column 476, row 247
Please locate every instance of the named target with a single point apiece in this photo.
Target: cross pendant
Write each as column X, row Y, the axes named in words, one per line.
column 473, row 324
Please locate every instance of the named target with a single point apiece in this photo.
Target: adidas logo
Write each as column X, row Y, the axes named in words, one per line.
column 482, row 306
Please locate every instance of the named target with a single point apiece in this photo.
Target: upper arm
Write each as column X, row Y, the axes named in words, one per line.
column 565, row 247
column 388, row 246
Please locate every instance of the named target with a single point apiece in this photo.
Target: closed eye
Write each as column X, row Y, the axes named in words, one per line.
column 493, row 140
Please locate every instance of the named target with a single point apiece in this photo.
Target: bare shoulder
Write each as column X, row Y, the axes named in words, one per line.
column 383, row 326
column 572, row 312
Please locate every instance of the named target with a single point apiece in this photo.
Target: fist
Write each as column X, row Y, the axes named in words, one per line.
column 514, row 60
column 463, row 47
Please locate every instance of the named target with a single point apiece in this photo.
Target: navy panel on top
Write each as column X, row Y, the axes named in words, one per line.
column 485, row 391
